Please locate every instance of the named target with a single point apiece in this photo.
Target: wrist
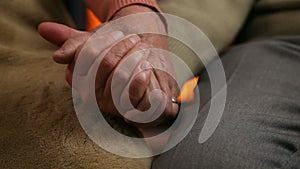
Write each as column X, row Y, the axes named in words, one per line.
column 132, row 9
column 139, row 8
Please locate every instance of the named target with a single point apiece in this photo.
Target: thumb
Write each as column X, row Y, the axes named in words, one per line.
column 56, row 33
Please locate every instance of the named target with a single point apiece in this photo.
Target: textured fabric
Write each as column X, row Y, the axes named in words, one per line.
column 38, row 126
column 222, row 22
column 219, row 20
column 105, row 9
column 272, row 18
column 260, row 127
column 19, row 21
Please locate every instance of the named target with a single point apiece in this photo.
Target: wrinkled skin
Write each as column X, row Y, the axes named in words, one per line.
column 71, row 42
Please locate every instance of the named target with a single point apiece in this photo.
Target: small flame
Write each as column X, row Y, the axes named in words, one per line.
column 92, row 20
column 187, row 91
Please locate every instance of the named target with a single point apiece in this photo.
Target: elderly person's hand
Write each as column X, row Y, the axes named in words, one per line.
column 71, row 42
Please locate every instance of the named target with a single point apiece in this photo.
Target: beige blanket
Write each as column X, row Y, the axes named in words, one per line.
column 38, row 125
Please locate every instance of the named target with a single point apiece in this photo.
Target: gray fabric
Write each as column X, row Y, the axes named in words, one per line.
column 260, row 127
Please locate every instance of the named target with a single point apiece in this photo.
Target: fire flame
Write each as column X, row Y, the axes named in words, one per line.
column 92, row 20
column 187, row 91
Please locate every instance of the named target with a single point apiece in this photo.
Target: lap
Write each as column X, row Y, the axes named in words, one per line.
column 260, row 127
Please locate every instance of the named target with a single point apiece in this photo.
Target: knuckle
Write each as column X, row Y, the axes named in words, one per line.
column 123, row 47
column 108, row 62
column 117, row 53
column 112, row 58
column 140, row 80
column 127, row 44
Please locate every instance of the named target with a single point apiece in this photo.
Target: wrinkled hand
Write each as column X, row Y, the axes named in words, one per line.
column 135, row 51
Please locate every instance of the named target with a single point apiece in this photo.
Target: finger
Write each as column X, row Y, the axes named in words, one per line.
column 94, row 47
column 109, row 63
column 164, row 80
column 66, row 54
column 175, row 93
column 148, row 120
column 148, row 113
column 124, row 74
column 105, row 72
column 165, row 76
column 144, row 102
column 135, row 89
column 56, row 33
column 114, row 87
column 148, row 103
column 167, row 83
column 105, row 101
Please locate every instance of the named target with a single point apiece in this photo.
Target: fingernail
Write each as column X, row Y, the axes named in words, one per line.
column 134, row 39
column 58, row 52
column 117, row 35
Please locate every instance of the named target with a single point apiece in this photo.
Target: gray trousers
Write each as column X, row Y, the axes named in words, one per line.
column 260, row 127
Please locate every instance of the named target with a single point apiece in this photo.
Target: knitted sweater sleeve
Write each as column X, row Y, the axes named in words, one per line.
column 105, row 9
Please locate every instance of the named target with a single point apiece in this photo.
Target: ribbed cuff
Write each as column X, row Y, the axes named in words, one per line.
column 113, row 6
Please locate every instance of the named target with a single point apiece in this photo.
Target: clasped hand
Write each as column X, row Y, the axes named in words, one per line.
column 126, row 59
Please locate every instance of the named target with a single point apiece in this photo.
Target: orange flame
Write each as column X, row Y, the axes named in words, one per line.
column 187, row 91
column 92, row 20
